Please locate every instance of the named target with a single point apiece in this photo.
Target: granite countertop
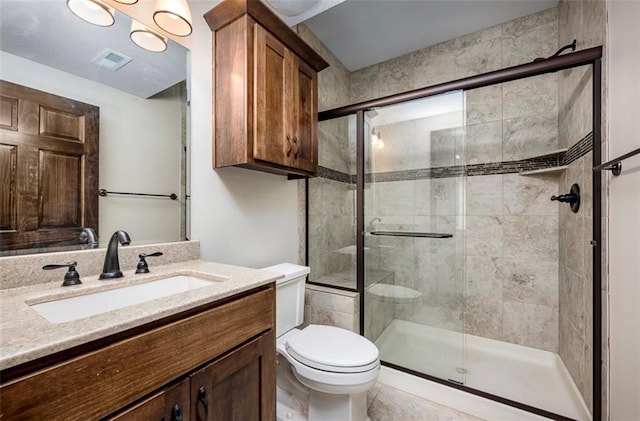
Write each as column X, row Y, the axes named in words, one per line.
column 25, row 335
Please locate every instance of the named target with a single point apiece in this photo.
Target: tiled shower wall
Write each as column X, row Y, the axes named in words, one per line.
column 584, row 21
column 331, row 202
column 511, row 290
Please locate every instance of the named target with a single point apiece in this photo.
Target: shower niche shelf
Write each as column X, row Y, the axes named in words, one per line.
column 550, row 170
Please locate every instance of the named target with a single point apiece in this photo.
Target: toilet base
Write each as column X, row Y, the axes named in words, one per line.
column 328, row 407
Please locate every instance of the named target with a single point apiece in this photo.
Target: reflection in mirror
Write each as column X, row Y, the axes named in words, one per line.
column 142, row 123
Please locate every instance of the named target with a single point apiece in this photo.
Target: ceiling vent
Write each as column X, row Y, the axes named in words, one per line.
column 111, row 60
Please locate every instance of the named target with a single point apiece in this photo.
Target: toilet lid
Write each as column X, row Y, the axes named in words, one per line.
column 333, row 349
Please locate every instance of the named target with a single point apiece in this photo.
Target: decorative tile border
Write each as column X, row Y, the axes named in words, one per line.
column 578, row 150
column 334, row 175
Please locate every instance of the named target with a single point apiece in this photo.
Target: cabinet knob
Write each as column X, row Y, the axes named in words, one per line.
column 202, row 401
column 288, row 148
column 176, row 413
column 296, row 147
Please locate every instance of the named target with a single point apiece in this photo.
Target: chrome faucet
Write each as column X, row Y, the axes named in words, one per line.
column 111, row 268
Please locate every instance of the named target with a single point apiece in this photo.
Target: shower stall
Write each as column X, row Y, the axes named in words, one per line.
column 436, row 206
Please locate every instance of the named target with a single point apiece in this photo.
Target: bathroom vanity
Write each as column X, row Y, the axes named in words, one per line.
column 208, row 353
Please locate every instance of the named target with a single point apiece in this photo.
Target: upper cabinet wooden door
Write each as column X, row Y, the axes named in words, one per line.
column 273, row 137
column 286, row 105
column 305, row 116
column 265, row 82
column 48, row 167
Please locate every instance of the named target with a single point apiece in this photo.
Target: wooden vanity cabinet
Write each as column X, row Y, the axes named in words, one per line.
column 231, row 388
column 266, row 91
column 170, row 404
column 226, row 348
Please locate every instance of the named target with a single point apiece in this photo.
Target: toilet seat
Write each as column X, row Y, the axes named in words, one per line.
column 333, row 349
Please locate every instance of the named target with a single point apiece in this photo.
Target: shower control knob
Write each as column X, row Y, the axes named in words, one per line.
column 573, row 198
column 565, row 198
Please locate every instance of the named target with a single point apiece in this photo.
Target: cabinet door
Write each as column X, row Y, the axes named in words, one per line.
column 171, row 404
column 304, row 117
column 238, row 387
column 272, row 139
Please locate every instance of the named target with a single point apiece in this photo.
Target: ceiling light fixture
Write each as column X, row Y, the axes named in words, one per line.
column 376, row 140
column 92, row 11
column 146, row 38
column 173, row 16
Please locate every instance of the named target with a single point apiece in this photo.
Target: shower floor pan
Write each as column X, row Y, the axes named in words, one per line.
column 527, row 375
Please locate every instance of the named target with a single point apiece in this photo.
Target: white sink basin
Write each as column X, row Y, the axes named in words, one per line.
column 76, row 308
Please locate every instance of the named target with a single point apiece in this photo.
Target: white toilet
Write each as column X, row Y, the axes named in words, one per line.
column 323, row 372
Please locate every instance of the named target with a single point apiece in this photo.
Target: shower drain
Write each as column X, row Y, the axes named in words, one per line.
column 461, row 370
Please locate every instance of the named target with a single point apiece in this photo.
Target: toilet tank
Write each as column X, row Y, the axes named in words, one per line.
column 289, row 296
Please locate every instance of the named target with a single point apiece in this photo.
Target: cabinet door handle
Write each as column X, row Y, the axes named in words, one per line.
column 202, row 400
column 288, row 150
column 296, row 147
column 176, row 413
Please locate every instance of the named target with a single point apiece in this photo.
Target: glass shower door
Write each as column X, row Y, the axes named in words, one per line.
column 414, row 234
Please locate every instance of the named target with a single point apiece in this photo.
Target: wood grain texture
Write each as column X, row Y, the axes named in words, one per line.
column 159, row 407
column 100, row 382
column 8, row 170
column 8, row 113
column 231, row 115
column 265, row 100
column 305, row 121
column 239, row 386
column 59, row 186
column 56, row 169
column 272, row 141
column 229, row 10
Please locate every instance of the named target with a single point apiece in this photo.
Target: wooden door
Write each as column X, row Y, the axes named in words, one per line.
column 240, row 386
column 171, row 404
column 304, row 116
column 48, row 166
column 272, row 138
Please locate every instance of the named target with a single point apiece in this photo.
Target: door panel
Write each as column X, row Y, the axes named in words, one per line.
column 60, row 189
column 8, row 163
column 305, row 119
column 49, row 154
column 54, row 123
column 272, row 139
column 239, row 386
column 170, row 404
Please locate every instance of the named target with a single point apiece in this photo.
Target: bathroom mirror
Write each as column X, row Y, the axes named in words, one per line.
column 143, row 111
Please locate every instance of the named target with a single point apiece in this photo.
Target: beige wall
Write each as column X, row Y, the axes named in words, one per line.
column 240, row 216
column 623, row 293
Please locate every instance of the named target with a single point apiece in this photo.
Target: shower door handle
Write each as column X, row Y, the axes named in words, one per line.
column 411, row 234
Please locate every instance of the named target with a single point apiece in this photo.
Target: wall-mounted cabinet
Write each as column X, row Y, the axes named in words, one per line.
column 265, row 91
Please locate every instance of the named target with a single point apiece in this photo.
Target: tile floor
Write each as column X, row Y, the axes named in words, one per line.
column 387, row 403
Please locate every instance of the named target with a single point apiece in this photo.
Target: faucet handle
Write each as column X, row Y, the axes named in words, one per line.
column 72, row 277
column 143, row 266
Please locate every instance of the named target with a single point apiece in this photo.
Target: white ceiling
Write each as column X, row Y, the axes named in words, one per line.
column 365, row 32
column 48, row 33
